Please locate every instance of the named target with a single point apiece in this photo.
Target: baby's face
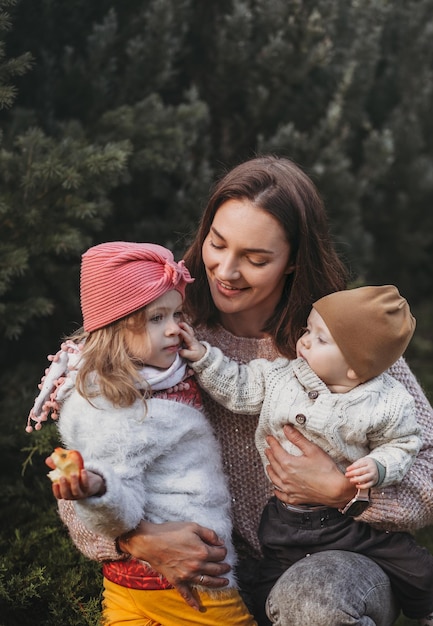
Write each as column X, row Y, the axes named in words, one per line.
column 318, row 348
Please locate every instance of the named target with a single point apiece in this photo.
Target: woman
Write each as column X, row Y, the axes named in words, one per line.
column 261, row 256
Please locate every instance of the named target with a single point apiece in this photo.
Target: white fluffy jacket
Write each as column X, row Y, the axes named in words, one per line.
column 160, row 462
column 376, row 418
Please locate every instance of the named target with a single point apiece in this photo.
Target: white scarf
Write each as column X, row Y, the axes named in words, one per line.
column 164, row 379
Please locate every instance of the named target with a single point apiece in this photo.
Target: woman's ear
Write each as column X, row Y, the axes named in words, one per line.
column 290, row 268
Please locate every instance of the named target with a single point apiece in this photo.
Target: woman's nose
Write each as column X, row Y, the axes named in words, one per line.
column 228, row 268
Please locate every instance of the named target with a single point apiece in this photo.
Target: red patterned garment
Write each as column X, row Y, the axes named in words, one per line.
column 134, row 574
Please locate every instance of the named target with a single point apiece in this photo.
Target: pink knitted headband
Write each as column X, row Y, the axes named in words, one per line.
column 119, row 277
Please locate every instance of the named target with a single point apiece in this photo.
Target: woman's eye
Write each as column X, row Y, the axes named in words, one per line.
column 257, row 263
column 216, row 246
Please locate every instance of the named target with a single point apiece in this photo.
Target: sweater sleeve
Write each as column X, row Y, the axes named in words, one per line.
column 240, row 388
column 120, row 509
column 397, row 441
column 107, row 438
column 91, row 545
column 408, row 506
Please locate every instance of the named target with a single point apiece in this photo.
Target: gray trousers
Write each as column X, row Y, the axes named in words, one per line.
column 291, row 543
column 333, row 588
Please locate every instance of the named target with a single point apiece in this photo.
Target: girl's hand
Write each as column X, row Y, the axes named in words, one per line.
column 183, row 552
column 77, row 486
column 193, row 350
column 363, row 473
column 312, row 478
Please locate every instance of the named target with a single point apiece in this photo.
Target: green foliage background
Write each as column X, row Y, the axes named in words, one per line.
column 116, row 117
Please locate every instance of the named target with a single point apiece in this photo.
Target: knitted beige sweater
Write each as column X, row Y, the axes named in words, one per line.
column 408, row 506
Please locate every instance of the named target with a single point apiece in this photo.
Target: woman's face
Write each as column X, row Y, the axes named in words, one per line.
column 246, row 255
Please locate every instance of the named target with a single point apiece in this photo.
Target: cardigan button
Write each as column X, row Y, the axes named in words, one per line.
column 300, row 418
column 313, row 395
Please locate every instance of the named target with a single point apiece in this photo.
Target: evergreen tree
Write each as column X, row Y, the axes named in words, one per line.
column 130, row 111
column 398, row 159
column 53, row 200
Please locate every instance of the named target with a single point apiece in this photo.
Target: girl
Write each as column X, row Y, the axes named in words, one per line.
column 148, row 451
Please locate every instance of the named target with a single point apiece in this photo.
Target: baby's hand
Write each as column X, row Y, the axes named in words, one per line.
column 193, row 350
column 363, row 473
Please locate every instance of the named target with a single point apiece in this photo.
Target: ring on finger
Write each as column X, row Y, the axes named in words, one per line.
column 276, row 487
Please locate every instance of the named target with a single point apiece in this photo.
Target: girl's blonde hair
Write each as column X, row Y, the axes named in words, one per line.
column 106, row 366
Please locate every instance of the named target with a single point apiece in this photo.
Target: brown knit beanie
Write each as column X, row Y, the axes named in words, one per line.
column 372, row 326
column 120, row 277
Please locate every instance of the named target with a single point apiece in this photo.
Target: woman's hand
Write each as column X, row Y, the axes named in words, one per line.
column 312, row 478
column 183, row 552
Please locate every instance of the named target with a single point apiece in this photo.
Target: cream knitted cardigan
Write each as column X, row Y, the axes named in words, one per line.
column 408, row 506
column 375, row 419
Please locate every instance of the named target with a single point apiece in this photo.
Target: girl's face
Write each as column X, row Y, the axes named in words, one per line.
column 158, row 343
column 246, row 256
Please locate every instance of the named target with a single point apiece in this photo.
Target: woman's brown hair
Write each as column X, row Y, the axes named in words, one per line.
column 279, row 187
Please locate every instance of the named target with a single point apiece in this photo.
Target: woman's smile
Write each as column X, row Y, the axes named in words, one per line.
column 224, row 287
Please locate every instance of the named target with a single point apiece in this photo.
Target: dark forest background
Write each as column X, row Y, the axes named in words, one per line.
column 116, row 117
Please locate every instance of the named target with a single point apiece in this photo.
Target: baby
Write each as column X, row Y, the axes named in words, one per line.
column 338, row 395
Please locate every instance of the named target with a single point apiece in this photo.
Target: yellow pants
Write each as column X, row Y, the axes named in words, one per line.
column 166, row 607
